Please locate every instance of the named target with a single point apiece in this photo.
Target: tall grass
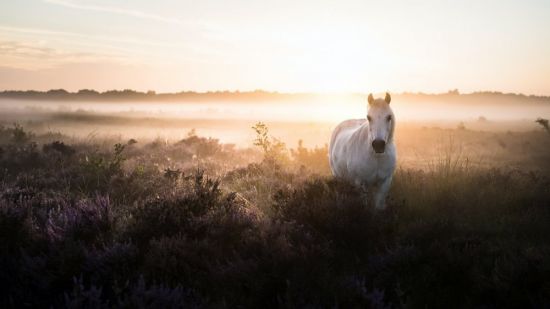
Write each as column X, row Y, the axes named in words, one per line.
column 196, row 224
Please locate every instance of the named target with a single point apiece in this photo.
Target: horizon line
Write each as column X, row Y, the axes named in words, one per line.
column 238, row 91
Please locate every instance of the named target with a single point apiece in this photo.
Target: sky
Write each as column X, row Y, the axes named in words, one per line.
column 288, row 46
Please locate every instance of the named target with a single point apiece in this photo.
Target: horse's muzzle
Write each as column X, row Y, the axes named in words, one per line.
column 379, row 145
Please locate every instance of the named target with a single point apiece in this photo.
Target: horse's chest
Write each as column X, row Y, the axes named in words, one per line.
column 374, row 170
column 375, row 173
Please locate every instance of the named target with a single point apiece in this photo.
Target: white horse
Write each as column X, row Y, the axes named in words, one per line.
column 363, row 152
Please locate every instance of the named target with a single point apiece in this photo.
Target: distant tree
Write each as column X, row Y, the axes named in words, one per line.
column 87, row 92
column 544, row 123
column 58, row 91
column 111, row 92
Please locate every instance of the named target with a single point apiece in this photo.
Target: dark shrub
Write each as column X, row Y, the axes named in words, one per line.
column 21, row 158
column 19, row 135
column 84, row 221
column 200, row 146
column 95, row 171
column 15, row 226
column 158, row 296
column 59, row 147
column 82, row 297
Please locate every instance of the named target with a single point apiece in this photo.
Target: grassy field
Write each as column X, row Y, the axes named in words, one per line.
column 151, row 223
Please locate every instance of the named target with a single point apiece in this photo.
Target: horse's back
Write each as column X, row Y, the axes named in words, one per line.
column 337, row 150
column 345, row 126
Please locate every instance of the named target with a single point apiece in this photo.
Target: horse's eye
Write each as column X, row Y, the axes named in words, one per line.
column 368, row 118
column 389, row 118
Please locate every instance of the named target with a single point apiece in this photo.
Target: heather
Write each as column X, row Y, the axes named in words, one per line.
column 105, row 223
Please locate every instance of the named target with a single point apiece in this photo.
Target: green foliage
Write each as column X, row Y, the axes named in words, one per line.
column 273, row 149
column 16, row 134
column 97, row 170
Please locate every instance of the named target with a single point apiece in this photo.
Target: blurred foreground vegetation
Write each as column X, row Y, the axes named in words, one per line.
column 195, row 223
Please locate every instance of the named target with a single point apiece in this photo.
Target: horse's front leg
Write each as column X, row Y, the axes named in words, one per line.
column 381, row 193
column 363, row 190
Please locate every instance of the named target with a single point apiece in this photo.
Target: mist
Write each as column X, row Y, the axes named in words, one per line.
column 230, row 120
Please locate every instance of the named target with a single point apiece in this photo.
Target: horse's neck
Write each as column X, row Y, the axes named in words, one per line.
column 360, row 137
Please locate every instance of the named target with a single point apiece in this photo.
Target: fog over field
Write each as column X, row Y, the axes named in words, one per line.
column 489, row 129
column 229, row 119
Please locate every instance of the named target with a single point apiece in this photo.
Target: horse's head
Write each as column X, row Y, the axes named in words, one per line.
column 381, row 123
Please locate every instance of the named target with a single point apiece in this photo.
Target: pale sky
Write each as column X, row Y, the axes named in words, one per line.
column 289, row 46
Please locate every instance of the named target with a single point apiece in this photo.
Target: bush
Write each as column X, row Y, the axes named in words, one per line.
column 19, row 135
column 273, row 149
column 59, row 147
column 316, row 159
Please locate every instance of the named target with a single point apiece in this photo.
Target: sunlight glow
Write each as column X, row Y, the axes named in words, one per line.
column 326, row 47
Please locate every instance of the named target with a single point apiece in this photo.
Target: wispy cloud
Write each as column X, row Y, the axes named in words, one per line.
column 116, row 10
column 32, row 55
column 121, row 49
column 113, row 39
column 53, row 47
column 19, row 49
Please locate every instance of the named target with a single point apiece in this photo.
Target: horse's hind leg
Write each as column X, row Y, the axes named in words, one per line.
column 381, row 193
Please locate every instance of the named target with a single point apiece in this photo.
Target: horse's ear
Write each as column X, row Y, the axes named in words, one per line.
column 371, row 99
column 387, row 98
